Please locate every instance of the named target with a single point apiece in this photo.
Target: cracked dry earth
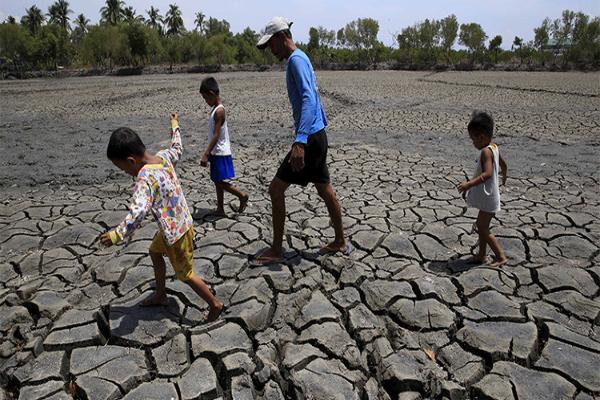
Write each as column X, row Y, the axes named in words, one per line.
column 400, row 318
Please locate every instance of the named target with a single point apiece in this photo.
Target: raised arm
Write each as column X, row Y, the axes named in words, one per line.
column 140, row 206
column 173, row 153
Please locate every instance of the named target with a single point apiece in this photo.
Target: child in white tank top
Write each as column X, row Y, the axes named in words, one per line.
column 483, row 191
column 218, row 151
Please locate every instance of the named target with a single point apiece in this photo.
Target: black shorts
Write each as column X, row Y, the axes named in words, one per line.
column 315, row 163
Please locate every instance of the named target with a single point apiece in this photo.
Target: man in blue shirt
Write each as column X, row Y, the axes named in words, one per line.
column 307, row 160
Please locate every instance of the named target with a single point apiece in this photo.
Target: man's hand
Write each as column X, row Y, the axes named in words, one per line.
column 297, row 157
column 204, row 160
column 106, row 240
column 463, row 187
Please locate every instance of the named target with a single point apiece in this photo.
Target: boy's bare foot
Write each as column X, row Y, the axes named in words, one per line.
column 243, row 204
column 333, row 247
column 266, row 257
column 214, row 312
column 476, row 260
column 154, row 300
column 218, row 213
column 498, row 262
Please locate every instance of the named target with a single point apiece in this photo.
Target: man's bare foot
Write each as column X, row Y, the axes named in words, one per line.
column 336, row 247
column 266, row 257
column 154, row 300
column 243, row 204
column 476, row 260
column 214, row 312
column 498, row 262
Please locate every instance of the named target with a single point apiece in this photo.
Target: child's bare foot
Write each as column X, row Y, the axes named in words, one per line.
column 154, row 300
column 334, row 247
column 476, row 260
column 267, row 257
column 243, row 203
column 498, row 262
column 218, row 213
column 214, row 312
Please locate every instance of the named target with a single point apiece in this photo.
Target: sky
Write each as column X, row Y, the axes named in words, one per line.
column 508, row 18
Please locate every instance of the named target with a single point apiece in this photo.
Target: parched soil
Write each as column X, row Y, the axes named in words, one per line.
column 403, row 316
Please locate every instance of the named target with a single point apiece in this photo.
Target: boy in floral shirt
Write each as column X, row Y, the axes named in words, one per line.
column 158, row 191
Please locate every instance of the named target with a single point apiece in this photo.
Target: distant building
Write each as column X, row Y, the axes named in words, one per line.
column 557, row 47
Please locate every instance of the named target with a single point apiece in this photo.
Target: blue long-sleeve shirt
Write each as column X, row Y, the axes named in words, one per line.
column 309, row 116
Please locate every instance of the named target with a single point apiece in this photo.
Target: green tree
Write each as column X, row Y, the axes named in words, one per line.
column 104, row 45
column 448, row 33
column 428, row 34
column 408, row 42
column 112, row 12
column 81, row 28
column 215, row 27
column 472, row 37
column 174, row 21
column 59, row 14
column 541, row 37
column 15, row 45
column 494, row 47
column 199, row 21
column 154, row 20
column 517, row 47
column 361, row 35
column 11, row 20
column 130, row 16
column 246, row 51
column 33, row 19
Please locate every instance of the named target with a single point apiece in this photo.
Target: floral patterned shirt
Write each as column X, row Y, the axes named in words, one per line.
column 158, row 190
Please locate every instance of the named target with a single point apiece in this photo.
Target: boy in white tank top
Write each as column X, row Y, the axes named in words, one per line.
column 483, row 192
column 218, row 151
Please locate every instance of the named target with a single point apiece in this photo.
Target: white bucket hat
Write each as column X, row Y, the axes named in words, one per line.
column 277, row 24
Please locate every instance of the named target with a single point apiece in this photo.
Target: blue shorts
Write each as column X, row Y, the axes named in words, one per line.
column 221, row 168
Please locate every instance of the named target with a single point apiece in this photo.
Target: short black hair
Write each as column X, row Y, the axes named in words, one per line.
column 209, row 85
column 123, row 143
column 481, row 122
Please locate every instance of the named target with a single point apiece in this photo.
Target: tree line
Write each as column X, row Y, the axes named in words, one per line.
column 123, row 37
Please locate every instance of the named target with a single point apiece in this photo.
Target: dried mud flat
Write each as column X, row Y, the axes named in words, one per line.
column 401, row 318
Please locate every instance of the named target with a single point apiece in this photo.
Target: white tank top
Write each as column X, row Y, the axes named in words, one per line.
column 223, row 146
column 486, row 195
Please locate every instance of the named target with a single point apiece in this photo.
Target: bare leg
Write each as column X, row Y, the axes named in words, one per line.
column 229, row 188
column 500, row 258
column 220, row 209
column 327, row 193
column 215, row 306
column 277, row 192
column 160, row 295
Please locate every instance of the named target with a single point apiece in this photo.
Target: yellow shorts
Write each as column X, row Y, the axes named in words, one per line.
column 181, row 253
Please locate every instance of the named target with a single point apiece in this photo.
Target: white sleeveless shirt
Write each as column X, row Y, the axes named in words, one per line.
column 486, row 195
column 223, row 146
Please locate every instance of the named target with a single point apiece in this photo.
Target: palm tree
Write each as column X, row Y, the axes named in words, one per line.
column 199, row 21
column 11, row 20
column 173, row 20
column 154, row 19
column 33, row 19
column 129, row 15
column 82, row 23
column 112, row 13
column 59, row 14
